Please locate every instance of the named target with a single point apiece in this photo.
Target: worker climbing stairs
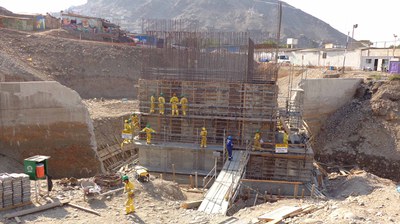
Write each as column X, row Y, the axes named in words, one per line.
column 219, row 197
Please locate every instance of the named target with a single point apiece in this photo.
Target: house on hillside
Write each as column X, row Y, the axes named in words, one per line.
column 92, row 28
column 23, row 22
column 361, row 58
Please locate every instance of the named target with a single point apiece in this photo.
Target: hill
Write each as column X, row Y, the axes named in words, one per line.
column 257, row 16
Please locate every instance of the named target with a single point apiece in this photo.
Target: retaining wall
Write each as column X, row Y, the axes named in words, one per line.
column 46, row 118
column 322, row 97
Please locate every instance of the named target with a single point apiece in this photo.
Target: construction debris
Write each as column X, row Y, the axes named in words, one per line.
column 108, row 180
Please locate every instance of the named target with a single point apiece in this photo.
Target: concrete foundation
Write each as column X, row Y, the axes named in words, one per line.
column 322, row 97
column 49, row 119
column 187, row 158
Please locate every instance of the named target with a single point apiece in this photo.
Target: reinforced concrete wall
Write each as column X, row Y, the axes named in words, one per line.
column 187, row 160
column 322, row 97
column 46, row 118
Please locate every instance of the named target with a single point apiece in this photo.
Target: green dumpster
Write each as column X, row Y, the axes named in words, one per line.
column 33, row 166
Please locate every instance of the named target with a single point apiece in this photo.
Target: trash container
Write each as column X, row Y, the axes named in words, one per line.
column 36, row 167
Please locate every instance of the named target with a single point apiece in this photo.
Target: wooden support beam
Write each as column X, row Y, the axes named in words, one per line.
column 271, row 181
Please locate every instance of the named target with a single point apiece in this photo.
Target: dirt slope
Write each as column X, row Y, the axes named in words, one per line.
column 93, row 69
column 366, row 131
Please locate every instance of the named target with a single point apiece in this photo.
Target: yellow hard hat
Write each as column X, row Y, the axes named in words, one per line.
column 203, row 128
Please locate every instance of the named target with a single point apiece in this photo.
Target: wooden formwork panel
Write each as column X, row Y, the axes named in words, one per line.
column 269, row 168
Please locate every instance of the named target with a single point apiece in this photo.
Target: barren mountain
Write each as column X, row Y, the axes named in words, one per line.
column 257, row 16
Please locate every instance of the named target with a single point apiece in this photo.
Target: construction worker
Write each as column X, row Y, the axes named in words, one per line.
column 203, row 134
column 184, row 103
column 257, row 140
column 161, row 103
column 127, row 133
column 127, row 127
column 229, row 147
column 148, row 131
column 128, row 190
column 152, row 103
column 135, row 122
column 174, row 105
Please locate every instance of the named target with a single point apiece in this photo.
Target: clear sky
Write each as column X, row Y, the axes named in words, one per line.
column 377, row 20
column 39, row 6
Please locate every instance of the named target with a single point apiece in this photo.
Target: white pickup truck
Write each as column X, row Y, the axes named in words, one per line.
column 283, row 59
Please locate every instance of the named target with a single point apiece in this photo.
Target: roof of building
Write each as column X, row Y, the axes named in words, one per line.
column 79, row 16
column 15, row 17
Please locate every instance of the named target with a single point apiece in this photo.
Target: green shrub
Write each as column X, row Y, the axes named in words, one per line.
column 376, row 77
column 394, row 77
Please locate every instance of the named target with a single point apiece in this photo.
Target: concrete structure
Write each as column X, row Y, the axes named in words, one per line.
column 49, row 119
column 323, row 97
column 186, row 158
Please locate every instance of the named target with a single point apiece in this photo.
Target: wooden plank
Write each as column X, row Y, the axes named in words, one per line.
column 275, row 221
column 33, row 210
column 280, row 213
column 191, row 204
column 84, row 209
column 17, row 219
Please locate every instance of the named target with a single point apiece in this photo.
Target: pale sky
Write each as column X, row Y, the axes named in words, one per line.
column 377, row 20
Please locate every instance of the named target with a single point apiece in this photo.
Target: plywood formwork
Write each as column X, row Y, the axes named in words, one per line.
column 236, row 109
column 288, row 167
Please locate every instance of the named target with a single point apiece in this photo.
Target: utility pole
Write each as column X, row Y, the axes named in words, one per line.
column 352, row 34
column 345, row 52
column 394, row 45
column 278, row 34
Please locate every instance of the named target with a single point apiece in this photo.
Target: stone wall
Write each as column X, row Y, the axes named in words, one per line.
column 46, row 118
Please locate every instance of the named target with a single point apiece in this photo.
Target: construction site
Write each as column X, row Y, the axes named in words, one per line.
column 165, row 115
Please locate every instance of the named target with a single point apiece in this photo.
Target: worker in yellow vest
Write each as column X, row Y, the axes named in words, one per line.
column 148, row 130
column 135, row 122
column 203, row 134
column 126, row 133
column 257, row 140
column 184, row 105
column 152, row 103
column 161, row 103
column 174, row 105
column 129, row 191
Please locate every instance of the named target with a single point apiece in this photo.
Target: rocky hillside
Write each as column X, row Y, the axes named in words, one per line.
column 366, row 131
column 93, row 69
column 228, row 15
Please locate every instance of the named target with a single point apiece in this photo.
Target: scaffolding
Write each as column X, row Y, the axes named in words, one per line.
column 227, row 92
